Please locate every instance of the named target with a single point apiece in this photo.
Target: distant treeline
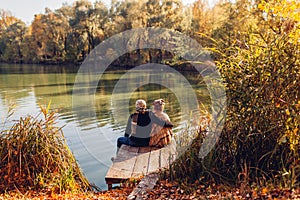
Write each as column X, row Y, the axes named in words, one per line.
column 68, row 34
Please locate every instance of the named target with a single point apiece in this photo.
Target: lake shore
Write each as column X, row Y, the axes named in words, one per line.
column 181, row 66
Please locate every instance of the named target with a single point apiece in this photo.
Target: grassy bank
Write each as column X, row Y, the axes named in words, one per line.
column 35, row 157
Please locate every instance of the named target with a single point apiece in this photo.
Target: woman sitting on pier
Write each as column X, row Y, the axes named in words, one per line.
column 160, row 136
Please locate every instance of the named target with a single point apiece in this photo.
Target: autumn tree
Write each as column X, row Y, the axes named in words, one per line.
column 13, row 38
column 29, row 48
column 118, row 14
column 49, row 36
column 58, row 26
column 6, row 20
column 233, row 19
column 87, row 28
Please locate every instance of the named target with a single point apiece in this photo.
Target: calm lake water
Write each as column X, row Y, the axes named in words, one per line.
column 91, row 134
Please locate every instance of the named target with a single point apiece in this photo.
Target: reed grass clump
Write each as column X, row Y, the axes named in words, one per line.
column 34, row 155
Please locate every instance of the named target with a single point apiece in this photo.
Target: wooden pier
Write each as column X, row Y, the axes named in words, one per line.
column 134, row 162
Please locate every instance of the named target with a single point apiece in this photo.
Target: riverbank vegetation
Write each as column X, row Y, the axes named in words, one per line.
column 34, row 156
column 259, row 59
column 255, row 45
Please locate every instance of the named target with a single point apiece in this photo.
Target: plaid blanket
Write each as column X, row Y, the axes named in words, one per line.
column 160, row 136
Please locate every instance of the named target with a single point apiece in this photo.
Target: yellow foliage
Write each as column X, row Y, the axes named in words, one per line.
column 288, row 13
column 282, row 8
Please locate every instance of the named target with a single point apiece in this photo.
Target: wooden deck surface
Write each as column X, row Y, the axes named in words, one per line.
column 134, row 162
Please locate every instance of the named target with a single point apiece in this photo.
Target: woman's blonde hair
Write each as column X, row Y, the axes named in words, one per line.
column 159, row 104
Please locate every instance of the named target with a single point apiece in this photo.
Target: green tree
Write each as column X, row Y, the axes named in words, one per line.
column 6, row 20
column 29, row 48
column 117, row 15
column 87, row 27
column 13, row 38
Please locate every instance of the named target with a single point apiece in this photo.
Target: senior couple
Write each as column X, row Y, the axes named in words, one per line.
column 147, row 128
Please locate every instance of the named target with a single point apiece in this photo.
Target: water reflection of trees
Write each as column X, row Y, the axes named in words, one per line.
column 46, row 83
column 58, row 87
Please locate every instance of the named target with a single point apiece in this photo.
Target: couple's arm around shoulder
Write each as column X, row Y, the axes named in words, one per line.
column 161, row 119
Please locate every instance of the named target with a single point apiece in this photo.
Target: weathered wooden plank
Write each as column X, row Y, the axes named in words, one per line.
column 144, row 149
column 145, row 185
column 138, row 161
column 128, row 148
column 142, row 161
column 154, row 161
column 122, row 166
